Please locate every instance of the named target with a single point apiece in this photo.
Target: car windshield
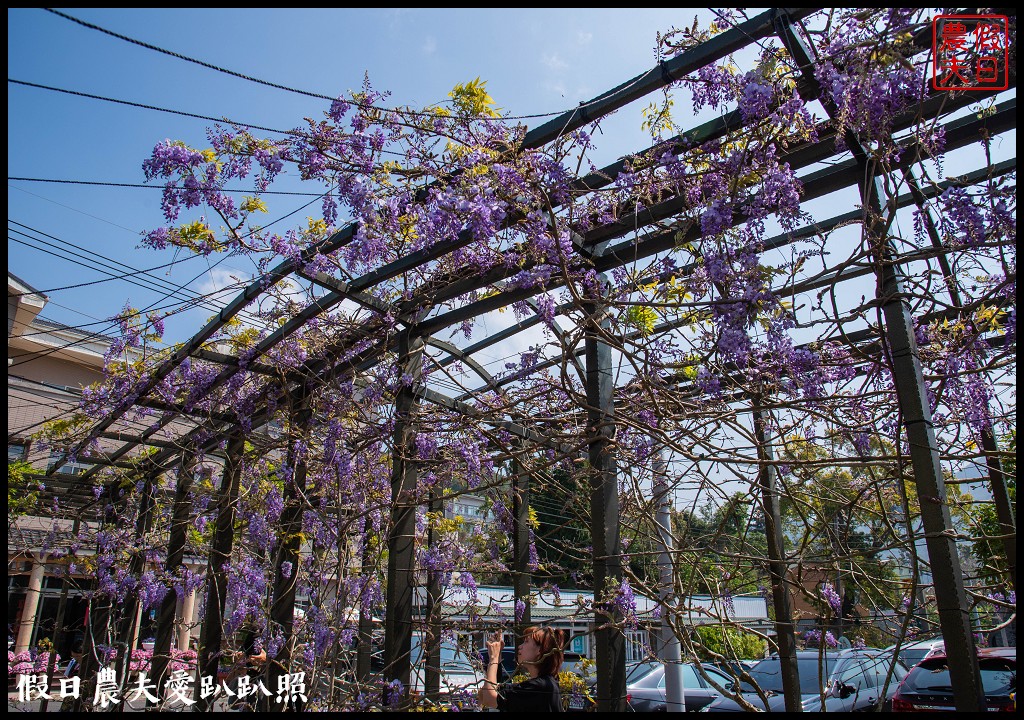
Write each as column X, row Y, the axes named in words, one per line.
column 453, row 659
column 912, row 657
column 768, row 675
column 639, row 670
column 998, row 677
column 573, row 662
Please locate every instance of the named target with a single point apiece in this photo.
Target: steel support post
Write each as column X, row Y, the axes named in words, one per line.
column 1001, row 498
column 402, row 538
column 785, row 636
column 670, row 650
column 175, row 554
column 282, row 609
column 908, row 377
column 99, row 610
column 609, row 642
column 950, row 594
column 521, row 576
column 211, row 640
column 996, row 475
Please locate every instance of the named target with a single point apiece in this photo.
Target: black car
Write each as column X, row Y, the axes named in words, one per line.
column 852, row 680
column 647, row 694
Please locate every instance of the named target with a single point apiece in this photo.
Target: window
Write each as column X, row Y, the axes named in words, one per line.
column 723, row 680
column 16, row 452
column 637, row 648
column 68, row 468
column 690, row 678
column 855, row 676
column 877, row 668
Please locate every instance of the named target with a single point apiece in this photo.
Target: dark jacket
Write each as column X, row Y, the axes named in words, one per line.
column 539, row 694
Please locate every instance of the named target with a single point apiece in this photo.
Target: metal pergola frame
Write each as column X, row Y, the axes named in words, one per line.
column 604, row 248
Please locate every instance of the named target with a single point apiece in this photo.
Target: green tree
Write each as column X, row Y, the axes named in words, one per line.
column 22, row 490
column 562, row 535
column 719, row 641
column 842, row 511
column 984, row 522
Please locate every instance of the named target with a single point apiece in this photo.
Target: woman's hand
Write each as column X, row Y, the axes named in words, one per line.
column 488, row 693
column 494, row 647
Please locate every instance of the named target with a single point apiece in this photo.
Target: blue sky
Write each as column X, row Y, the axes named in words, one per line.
column 534, row 61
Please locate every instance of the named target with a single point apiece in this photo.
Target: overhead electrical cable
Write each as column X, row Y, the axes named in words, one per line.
column 277, row 86
column 158, row 267
column 151, row 107
column 198, row 300
column 160, row 283
column 98, row 183
column 229, row 121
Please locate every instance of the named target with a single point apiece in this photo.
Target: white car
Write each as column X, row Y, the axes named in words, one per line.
column 911, row 653
column 459, row 674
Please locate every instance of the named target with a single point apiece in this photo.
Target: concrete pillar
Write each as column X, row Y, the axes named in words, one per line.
column 183, row 620
column 669, row 646
column 28, row 612
column 134, row 643
column 187, row 618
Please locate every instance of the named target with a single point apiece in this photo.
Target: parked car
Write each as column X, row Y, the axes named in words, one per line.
column 647, row 694
column 852, row 680
column 635, row 671
column 732, row 667
column 458, row 672
column 912, row 653
column 928, row 687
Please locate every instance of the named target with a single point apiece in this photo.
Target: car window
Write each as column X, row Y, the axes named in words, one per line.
column 768, row 674
column 640, row 670
column 689, row 678
column 878, row 667
column 507, row 668
column 856, row 675
column 574, row 662
column 723, row 680
column 998, row 677
column 913, row 656
column 457, row 664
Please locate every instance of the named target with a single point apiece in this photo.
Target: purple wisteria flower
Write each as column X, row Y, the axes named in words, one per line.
column 831, row 597
column 520, row 609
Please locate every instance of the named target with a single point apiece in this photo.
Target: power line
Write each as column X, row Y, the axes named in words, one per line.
column 150, row 107
column 204, row 64
column 198, row 300
column 179, row 287
column 153, row 187
column 278, row 86
column 84, row 261
column 97, row 282
column 293, row 133
column 161, row 284
column 158, row 267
